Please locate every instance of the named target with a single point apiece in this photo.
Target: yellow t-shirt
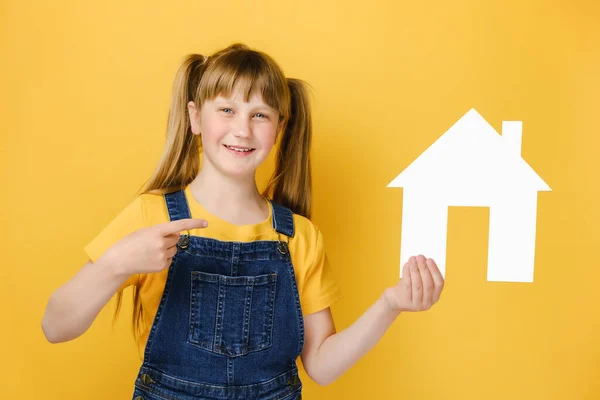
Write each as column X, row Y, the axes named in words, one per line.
column 317, row 286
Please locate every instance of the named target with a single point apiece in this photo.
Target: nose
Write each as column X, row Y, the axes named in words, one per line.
column 242, row 127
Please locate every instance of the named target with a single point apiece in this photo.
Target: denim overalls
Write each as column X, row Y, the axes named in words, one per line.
column 229, row 324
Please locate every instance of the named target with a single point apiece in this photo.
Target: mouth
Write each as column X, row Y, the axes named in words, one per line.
column 239, row 150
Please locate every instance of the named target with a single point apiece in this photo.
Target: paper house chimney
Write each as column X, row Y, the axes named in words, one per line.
column 512, row 132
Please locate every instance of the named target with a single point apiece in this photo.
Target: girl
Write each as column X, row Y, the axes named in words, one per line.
column 230, row 285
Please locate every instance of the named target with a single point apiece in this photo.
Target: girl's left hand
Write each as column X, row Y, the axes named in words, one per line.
column 420, row 287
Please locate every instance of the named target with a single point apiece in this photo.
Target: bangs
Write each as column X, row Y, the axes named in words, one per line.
column 251, row 73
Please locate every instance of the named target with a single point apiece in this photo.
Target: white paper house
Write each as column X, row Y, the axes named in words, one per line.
column 472, row 165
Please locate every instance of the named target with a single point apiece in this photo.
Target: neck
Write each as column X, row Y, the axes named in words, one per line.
column 237, row 201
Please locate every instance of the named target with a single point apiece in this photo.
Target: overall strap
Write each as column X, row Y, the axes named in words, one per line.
column 177, row 205
column 283, row 220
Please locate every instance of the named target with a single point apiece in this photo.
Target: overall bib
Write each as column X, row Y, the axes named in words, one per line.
column 229, row 324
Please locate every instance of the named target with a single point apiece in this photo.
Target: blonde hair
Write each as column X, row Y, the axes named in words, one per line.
column 200, row 78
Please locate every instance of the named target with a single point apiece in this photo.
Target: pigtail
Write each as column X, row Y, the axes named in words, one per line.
column 180, row 161
column 291, row 184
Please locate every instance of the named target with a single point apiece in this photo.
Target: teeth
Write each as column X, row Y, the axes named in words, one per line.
column 238, row 149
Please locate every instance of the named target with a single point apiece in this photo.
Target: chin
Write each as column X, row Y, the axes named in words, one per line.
column 234, row 169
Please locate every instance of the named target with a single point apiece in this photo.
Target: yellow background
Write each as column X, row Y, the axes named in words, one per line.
column 85, row 91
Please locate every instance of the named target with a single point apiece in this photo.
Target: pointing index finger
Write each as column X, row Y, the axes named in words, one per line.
column 172, row 227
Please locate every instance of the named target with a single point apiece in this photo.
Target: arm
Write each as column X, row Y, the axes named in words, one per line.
column 73, row 307
column 327, row 354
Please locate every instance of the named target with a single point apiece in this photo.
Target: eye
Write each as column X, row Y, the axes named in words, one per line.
column 262, row 116
column 226, row 110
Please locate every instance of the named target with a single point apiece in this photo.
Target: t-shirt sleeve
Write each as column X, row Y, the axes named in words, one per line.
column 130, row 219
column 320, row 289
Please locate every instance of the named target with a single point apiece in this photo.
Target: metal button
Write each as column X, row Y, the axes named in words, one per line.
column 282, row 247
column 293, row 380
column 184, row 241
column 146, row 379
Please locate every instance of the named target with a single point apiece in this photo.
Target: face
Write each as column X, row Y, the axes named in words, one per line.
column 237, row 136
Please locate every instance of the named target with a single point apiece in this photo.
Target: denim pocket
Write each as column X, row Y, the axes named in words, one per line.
column 232, row 315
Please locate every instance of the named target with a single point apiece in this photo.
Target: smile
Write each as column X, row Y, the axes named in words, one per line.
column 239, row 150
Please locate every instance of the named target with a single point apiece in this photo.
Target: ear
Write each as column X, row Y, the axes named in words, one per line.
column 194, row 118
column 279, row 130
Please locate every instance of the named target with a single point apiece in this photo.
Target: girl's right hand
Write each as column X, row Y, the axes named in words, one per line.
column 149, row 249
